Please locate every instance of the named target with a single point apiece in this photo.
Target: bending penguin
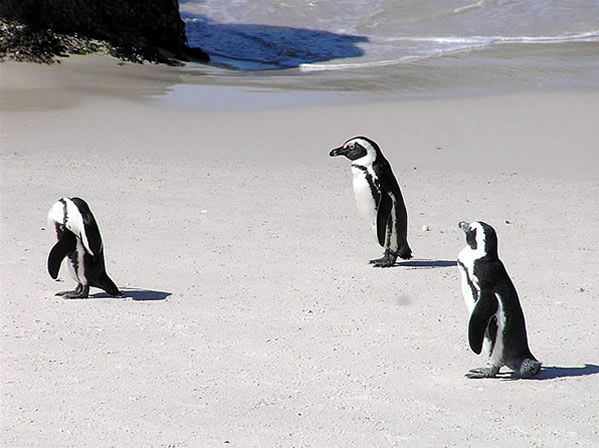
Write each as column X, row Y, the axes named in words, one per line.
column 496, row 318
column 378, row 197
column 79, row 240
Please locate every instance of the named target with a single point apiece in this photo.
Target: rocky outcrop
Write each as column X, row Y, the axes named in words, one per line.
column 133, row 29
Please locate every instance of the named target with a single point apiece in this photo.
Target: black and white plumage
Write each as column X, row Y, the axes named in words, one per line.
column 496, row 319
column 80, row 242
column 378, row 197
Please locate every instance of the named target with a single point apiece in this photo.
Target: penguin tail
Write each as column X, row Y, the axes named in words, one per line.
column 108, row 285
column 529, row 368
column 405, row 252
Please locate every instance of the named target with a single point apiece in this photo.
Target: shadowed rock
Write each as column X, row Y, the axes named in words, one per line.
column 133, row 29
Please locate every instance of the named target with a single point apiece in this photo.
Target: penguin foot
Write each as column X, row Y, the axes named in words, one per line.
column 75, row 295
column 482, row 372
column 63, row 293
column 80, row 292
column 385, row 261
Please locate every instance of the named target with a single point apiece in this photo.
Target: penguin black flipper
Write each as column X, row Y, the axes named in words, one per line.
column 382, row 217
column 397, row 217
column 63, row 246
column 385, row 175
column 485, row 308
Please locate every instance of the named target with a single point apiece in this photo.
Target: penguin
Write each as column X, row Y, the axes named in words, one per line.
column 496, row 318
column 79, row 240
column 378, row 198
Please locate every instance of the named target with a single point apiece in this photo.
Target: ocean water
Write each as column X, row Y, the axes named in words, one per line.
column 405, row 46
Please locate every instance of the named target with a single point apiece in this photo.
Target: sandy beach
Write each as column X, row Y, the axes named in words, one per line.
column 251, row 316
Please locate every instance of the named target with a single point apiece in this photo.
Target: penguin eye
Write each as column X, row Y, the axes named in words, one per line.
column 351, row 145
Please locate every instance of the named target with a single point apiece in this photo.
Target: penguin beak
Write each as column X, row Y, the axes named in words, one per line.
column 464, row 226
column 337, row 152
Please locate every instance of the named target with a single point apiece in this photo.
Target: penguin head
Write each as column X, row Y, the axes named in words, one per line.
column 480, row 238
column 358, row 148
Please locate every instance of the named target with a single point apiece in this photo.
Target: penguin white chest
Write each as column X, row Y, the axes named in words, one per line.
column 364, row 198
column 496, row 356
column 75, row 263
column 469, row 283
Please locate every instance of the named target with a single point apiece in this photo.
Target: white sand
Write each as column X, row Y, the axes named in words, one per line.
column 253, row 318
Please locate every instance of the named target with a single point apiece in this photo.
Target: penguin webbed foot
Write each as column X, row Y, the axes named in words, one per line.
column 482, row 372
column 385, row 261
column 80, row 292
column 75, row 295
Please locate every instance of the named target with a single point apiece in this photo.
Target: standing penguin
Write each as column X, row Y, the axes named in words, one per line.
column 378, row 197
column 79, row 240
column 496, row 318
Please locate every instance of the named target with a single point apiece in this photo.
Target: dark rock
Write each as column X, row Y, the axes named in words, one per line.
column 20, row 43
column 195, row 54
column 131, row 29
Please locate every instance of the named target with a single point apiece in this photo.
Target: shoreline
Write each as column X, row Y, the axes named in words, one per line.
column 523, row 133
column 186, row 86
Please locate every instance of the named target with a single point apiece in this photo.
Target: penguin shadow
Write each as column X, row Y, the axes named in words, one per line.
column 426, row 264
column 553, row 372
column 137, row 294
column 144, row 294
